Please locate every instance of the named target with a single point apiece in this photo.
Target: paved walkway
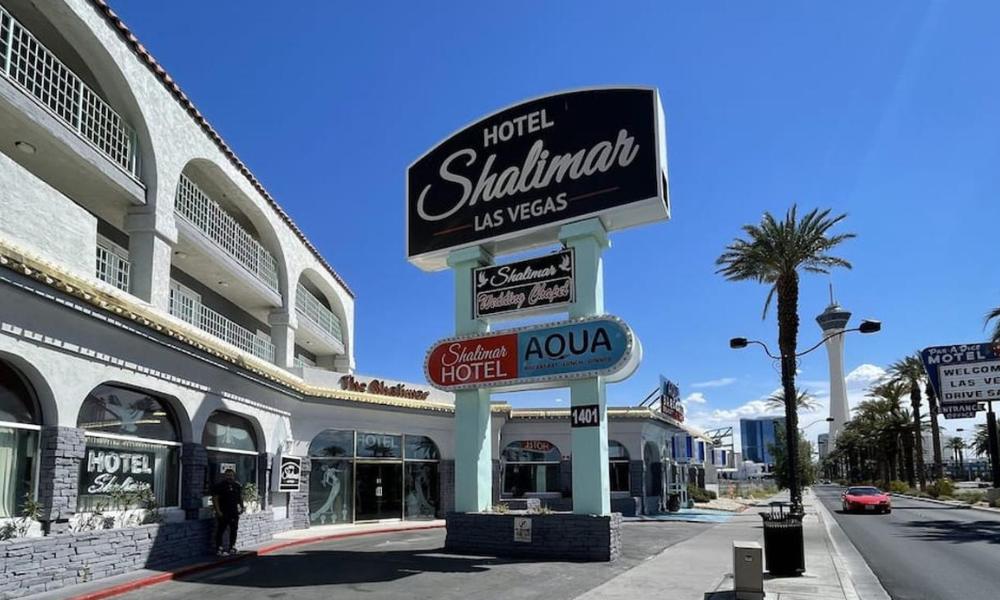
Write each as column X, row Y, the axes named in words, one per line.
column 701, row 567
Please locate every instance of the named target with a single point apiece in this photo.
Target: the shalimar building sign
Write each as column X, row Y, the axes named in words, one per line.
column 508, row 181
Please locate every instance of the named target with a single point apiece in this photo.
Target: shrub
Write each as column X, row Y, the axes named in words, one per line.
column 972, row 497
column 995, row 503
column 501, row 508
column 898, row 487
column 940, row 487
column 697, row 494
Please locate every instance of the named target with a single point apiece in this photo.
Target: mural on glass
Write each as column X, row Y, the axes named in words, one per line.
column 331, row 481
column 422, row 495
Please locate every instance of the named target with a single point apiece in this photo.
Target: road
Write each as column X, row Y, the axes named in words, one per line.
column 926, row 551
column 413, row 565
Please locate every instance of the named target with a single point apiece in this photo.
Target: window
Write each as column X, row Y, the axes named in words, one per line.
column 132, row 450
column 231, row 443
column 421, row 496
column 331, row 482
column 530, row 467
column 112, row 263
column 618, row 467
column 18, row 441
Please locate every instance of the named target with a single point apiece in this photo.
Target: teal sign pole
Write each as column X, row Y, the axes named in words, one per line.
column 473, row 448
column 591, row 486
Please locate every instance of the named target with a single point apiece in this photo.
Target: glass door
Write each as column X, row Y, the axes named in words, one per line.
column 378, row 491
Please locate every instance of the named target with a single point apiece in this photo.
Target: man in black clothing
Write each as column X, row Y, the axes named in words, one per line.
column 227, row 498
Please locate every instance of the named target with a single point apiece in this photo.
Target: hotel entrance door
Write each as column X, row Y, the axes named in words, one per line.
column 378, row 491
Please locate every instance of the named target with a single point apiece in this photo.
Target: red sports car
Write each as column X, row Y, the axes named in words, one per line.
column 866, row 499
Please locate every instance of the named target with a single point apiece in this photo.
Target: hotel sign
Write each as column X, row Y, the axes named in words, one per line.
column 509, row 180
column 535, row 357
column 670, row 400
column 109, row 470
column 964, row 373
column 535, row 285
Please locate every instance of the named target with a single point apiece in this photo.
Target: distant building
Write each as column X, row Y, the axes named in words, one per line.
column 758, row 437
column 823, row 445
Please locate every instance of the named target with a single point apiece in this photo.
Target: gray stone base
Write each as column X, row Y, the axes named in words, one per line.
column 559, row 536
column 34, row 565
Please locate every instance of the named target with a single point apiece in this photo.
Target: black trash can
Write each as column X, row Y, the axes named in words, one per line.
column 784, row 547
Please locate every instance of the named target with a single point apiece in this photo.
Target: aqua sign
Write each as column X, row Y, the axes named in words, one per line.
column 535, row 357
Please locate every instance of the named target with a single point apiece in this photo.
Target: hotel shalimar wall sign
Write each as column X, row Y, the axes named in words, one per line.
column 509, row 180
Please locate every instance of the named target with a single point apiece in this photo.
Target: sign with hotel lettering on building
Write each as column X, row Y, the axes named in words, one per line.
column 964, row 373
column 535, row 357
column 535, row 285
column 509, row 180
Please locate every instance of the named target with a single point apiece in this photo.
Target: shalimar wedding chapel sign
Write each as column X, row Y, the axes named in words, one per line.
column 539, row 284
column 509, row 180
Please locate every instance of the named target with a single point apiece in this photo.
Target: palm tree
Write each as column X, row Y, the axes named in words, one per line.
column 910, row 370
column 935, row 429
column 981, row 441
column 803, row 400
column 994, row 314
column 956, row 445
column 773, row 253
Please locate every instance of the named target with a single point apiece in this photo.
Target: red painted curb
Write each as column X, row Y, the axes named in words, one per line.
column 130, row 586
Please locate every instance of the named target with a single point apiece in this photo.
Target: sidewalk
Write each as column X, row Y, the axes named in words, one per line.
column 110, row 587
column 701, row 567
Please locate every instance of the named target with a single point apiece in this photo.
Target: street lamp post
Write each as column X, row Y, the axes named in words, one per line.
column 792, row 434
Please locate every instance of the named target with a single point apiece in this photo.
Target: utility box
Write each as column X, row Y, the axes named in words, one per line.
column 748, row 571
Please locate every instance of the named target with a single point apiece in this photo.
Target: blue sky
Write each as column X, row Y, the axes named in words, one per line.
column 885, row 111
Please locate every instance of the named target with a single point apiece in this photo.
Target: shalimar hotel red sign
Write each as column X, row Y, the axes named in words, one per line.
column 510, row 180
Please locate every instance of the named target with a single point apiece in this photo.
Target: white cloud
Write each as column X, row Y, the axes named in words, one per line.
column 864, row 375
column 695, row 398
column 714, row 383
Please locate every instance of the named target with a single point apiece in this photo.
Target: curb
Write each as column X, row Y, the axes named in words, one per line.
column 952, row 503
column 130, row 586
column 851, row 566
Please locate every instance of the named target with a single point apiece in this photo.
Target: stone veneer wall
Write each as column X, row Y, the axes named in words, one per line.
column 34, row 565
column 61, row 450
column 298, row 502
column 558, row 537
column 446, row 487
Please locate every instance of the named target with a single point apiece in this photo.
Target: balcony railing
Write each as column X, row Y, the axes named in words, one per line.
column 207, row 216
column 307, row 305
column 32, row 67
column 112, row 264
column 188, row 307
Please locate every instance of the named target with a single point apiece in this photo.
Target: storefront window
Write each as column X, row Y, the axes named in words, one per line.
column 18, row 441
column 422, row 492
column 132, row 445
column 379, row 445
column 530, row 467
column 231, row 443
column 331, row 482
column 618, row 467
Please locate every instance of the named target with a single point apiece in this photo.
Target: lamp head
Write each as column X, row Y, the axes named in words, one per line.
column 870, row 326
column 737, row 343
column 829, row 419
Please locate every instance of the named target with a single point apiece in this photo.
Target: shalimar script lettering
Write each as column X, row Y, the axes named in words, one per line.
column 540, row 169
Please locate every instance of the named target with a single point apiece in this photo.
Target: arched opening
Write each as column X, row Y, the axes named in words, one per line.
column 231, row 443
column 20, row 422
column 322, row 333
column 530, row 468
column 618, row 467
column 367, row 476
column 132, row 456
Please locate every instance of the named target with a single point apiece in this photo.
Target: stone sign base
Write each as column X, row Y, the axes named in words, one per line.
column 558, row 536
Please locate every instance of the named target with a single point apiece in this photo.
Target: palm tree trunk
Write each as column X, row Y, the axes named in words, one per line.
column 788, row 331
column 918, row 439
column 908, row 459
column 935, row 430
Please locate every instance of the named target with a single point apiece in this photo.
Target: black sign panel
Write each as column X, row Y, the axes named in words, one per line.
column 535, row 284
column 290, row 475
column 961, row 411
column 585, row 416
column 105, row 471
column 510, row 179
column 670, row 400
